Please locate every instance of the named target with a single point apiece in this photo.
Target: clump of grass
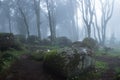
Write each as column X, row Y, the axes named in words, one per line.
column 101, row 65
column 38, row 55
column 117, row 69
column 89, row 75
column 7, row 58
column 117, row 77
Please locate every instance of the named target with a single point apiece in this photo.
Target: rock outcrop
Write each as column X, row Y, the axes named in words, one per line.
column 68, row 62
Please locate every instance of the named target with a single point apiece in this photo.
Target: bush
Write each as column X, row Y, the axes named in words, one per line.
column 45, row 42
column 77, row 44
column 6, row 59
column 33, row 39
column 38, row 55
column 67, row 62
column 54, row 63
column 7, row 42
column 63, row 42
column 20, row 38
column 90, row 43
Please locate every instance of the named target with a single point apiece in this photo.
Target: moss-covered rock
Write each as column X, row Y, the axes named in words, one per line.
column 68, row 62
column 90, row 43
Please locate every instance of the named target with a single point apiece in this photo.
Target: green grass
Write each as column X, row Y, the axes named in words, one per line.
column 38, row 55
column 17, row 53
column 7, row 58
column 101, row 65
column 117, row 69
column 112, row 53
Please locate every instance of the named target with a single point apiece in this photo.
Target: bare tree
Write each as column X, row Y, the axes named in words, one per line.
column 87, row 9
column 25, row 19
column 9, row 20
column 6, row 5
column 74, row 19
column 51, row 18
column 97, row 28
column 37, row 12
column 107, row 11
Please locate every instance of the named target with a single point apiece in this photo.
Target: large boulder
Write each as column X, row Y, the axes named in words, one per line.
column 6, row 41
column 68, row 62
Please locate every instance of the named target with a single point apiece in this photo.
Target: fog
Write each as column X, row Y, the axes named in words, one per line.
column 57, row 18
column 114, row 24
column 59, row 39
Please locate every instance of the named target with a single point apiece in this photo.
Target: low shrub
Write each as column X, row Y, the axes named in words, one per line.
column 6, row 59
column 90, row 43
column 45, row 42
column 54, row 63
column 63, row 42
column 38, row 55
column 33, row 40
column 20, row 38
column 77, row 44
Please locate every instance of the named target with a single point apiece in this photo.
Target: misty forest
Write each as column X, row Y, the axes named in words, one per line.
column 59, row 40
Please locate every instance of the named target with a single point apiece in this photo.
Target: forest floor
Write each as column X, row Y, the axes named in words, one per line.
column 113, row 63
column 28, row 69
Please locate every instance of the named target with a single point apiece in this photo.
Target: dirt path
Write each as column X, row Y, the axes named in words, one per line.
column 27, row 69
column 112, row 62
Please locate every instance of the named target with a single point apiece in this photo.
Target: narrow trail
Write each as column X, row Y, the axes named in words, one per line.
column 27, row 69
column 112, row 62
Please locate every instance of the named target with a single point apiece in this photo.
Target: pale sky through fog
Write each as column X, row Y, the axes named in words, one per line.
column 114, row 22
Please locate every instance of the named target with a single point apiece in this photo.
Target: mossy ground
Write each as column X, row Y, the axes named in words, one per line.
column 103, row 61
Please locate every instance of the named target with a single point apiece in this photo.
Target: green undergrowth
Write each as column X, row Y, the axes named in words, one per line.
column 117, row 77
column 94, row 74
column 112, row 53
column 7, row 58
column 101, row 65
column 117, row 69
column 38, row 56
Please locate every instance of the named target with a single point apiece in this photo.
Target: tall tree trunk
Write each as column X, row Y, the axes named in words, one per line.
column 88, row 8
column 37, row 12
column 89, row 31
column 10, row 27
column 107, row 12
column 51, row 18
column 25, row 21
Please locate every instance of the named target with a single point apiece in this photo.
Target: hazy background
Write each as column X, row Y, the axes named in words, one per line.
column 64, row 17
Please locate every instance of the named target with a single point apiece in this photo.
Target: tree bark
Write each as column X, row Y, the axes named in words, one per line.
column 37, row 12
column 51, row 18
